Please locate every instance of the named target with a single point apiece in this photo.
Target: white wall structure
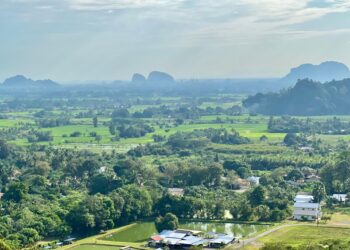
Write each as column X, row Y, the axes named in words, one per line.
column 307, row 211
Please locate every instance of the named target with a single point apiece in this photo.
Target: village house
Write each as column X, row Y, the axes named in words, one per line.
column 305, row 209
column 186, row 239
column 340, row 197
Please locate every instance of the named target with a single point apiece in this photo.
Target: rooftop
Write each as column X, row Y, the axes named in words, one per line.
column 306, row 205
column 185, row 238
column 225, row 239
column 303, row 198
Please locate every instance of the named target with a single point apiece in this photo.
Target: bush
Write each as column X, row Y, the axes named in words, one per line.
column 168, row 222
column 75, row 134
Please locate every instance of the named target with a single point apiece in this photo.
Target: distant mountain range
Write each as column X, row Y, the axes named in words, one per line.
column 319, row 90
column 163, row 83
column 155, row 77
column 23, row 83
column 324, row 72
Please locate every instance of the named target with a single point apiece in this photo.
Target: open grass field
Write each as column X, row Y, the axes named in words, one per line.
column 340, row 219
column 99, row 243
column 253, row 127
column 62, row 138
column 302, row 235
column 7, row 123
column 95, row 247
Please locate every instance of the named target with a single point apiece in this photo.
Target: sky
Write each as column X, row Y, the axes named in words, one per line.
column 79, row 40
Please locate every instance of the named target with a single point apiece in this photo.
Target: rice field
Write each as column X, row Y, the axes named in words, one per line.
column 252, row 127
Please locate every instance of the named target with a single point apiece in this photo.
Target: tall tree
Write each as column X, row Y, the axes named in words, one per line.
column 4, row 149
column 319, row 192
column 95, row 121
column 17, row 191
column 257, row 196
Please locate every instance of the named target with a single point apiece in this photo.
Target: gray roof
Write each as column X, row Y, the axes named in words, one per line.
column 176, row 235
column 224, row 239
column 172, row 241
column 304, row 196
column 165, row 233
column 190, row 240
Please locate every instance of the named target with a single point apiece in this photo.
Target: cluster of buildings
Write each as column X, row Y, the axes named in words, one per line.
column 185, row 239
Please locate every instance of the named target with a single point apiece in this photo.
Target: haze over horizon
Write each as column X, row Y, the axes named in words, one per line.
column 71, row 40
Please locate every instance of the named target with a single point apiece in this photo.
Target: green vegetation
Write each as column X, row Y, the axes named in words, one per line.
column 168, row 222
column 141, row 231
column 84, row 165
column 95, row 247
column 305, row 98
column 305, row 235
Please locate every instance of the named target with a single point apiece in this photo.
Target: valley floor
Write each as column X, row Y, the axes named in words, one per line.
column 289, row 232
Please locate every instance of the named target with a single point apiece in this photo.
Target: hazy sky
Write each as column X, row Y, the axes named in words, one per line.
column 111, row 39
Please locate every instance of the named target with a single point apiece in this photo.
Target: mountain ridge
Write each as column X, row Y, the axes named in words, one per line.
column 324, row 72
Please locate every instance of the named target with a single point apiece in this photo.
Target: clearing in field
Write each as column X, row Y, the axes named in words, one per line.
column 94, row 247
column 299, row 235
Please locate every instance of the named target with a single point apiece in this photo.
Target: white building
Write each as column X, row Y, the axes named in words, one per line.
column 340, row 197
column 303, row 198
column 307, row 211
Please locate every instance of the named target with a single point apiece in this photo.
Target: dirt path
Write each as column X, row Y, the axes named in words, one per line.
column 272, row 230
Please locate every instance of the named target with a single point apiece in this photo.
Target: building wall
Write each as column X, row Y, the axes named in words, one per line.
column 304, row 217
column 306, row 213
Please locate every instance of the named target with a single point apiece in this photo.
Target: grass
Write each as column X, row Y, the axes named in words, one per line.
column 252, row 131
column 98, row 240
column 96, row 247
column 299, row 235
column 338, row 228
column 137, row 233
column 219, row 104
column 340, row 219
column 252, row 127
column 7, row 123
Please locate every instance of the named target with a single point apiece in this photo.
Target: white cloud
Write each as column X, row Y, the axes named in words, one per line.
column 158, row 32
column 267, row 18
column 120, row 4
column 278, row 12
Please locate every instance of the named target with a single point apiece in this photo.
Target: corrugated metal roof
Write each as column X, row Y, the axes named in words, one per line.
column 226, row 239
column 190, row 240
column 165, row 233
column 172, row 241
column 176, row 235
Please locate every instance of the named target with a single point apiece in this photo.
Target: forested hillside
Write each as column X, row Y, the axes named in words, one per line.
column 305, row 98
